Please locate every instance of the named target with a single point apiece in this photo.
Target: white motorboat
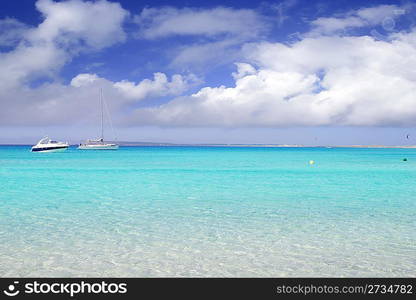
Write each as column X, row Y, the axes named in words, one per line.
column 48, row 145
column 99, row 144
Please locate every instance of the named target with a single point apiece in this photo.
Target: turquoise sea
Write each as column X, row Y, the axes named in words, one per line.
column 208, row 212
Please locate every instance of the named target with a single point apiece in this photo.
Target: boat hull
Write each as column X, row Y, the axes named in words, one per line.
column 49, row 149
column 98, row 147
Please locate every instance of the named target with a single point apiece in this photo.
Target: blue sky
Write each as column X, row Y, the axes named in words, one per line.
column 286, row 72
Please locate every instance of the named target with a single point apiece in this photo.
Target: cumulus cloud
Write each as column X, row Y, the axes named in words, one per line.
column 159, row 86
column 96, row 24
column 243, row 69
column 67, row 28
column 55, row 103
column 323, row 80
column 84, row 79
column 50, row 104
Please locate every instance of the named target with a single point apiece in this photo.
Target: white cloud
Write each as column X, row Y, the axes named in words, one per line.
column 68, row 28
column 159, row 86
column 11, row 31
column 56, row 103
column 357, row 18
column 377, row 14
column 324, row 80
column 331, row 25
column 219, row 32
column 207, row 54
column 28, row 62
column 84, row 79
column 49, row 104
column 167, row 21
column 243, row 69
column 97, row 24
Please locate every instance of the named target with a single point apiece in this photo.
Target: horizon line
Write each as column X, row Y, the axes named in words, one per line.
column 262, row 145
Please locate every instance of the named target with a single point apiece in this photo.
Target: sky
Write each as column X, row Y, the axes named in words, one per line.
column 267, row 72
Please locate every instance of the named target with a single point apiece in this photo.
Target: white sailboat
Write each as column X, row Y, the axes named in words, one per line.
column 99, row 144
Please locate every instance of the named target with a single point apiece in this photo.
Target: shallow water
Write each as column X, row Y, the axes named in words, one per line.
column 206, row 211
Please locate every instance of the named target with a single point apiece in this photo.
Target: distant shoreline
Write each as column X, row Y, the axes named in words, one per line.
column 144, row 144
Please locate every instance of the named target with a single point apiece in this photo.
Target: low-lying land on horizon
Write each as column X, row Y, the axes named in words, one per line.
column 264, row 145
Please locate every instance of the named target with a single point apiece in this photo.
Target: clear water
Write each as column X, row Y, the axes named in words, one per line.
column 208, row 212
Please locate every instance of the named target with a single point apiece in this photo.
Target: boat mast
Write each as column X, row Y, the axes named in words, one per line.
column 102, row 114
